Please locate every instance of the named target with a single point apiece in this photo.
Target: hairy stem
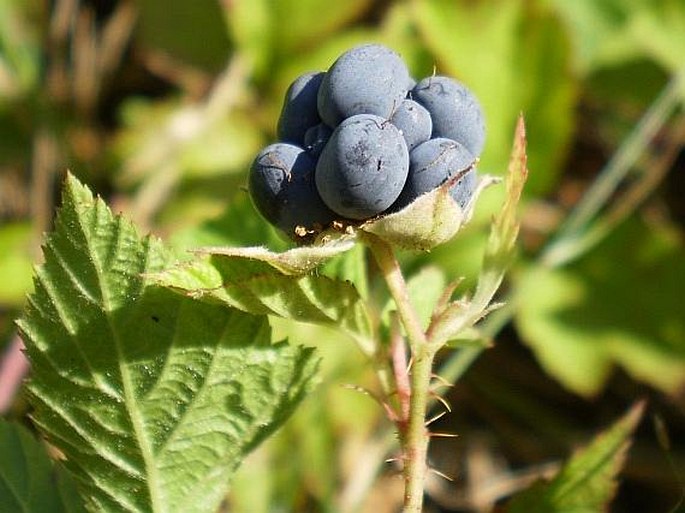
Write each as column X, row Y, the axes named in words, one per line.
column 398, row 357
column 392, row 274
column 413, row 433
column 415, row 440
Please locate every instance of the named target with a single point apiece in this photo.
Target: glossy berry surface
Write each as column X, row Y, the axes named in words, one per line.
column 316, row 137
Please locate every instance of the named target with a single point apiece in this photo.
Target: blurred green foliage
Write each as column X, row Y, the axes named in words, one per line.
column 160, row 106
column 578, row 325
column 31, row 481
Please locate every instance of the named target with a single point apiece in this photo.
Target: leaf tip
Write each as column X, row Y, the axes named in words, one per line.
column 75, row 190
column 634, row 414
column 518, row 165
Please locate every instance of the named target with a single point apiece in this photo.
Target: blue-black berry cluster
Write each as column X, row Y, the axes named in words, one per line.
column 363, row 139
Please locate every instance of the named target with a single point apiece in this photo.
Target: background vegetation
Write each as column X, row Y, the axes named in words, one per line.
column 160, row 105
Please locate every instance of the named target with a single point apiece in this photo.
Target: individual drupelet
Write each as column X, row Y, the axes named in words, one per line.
column 367, row 79
column 316, row 138
column 455, row 111
column 462, row 191
column 281, row 185
column 433, row 162
column 299, row 111
column 414, row 121
column 363, row 167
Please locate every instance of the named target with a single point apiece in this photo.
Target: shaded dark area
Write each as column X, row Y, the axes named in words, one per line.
column 519, row 416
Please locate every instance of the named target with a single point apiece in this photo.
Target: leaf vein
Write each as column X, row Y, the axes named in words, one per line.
column 77, row 284
column 198, row 392
column 130, row 403
column 87, row 437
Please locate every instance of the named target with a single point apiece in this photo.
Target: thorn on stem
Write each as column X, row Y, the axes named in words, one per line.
column 442, row 380
column 442, row 401
column 441, row 474
column 389, row 411
column 436, row 417
column 442, row 435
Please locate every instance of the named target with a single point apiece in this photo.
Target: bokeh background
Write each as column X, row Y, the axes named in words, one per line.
column 160, row 106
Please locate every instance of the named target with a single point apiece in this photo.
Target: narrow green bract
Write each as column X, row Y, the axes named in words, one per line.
column 153, row 398
column 263, row 283
column 588, row 480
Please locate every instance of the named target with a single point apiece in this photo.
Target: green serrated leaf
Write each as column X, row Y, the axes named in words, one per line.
column 258, row 286
column 432, row 219
column 29, row 481
column 153, row 398
column 587, row 482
